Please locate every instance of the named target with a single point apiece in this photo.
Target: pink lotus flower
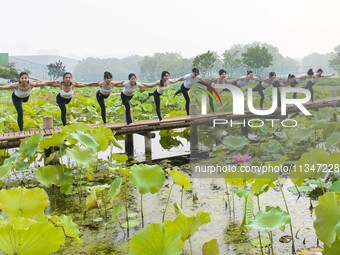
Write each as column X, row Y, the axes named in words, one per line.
column 239, row 158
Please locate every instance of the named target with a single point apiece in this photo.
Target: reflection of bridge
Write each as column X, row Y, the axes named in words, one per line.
column 144, row 127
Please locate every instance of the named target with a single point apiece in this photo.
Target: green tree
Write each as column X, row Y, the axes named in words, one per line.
column 335, row 62
column 9, row 72
column 152, row 66
column 231, row 60
column 205, row 62
column 257, row 58
column 56, row 70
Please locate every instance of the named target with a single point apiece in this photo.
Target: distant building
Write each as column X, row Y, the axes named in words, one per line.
column 37, row 64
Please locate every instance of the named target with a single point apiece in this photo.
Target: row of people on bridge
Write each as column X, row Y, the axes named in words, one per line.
column 23, row 88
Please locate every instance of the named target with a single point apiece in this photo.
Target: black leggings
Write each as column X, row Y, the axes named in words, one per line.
column 126, row 102
column 17, row 101
column 310, row 87
column 62, row 102
column 184, row 90
column 293, row 84
column 259, row 88
column 156, row 97
column 100, row 98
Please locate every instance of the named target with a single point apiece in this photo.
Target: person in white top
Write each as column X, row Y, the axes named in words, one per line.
column 262, row 85
column 222, row 79
column 21, row 94
column 66, row 92
column 126, row 95
column 312, row 78
column 104, row 91
column 189, row 80
column 162, row 84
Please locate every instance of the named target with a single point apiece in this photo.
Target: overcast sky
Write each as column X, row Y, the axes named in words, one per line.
column 118, row 28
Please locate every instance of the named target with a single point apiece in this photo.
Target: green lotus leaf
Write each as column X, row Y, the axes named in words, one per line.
column 306, row 166
column 299, row 189
column 235, row 142
column 78, row 126
column 125, row 171
column 146, row 178
column 327, row 222
column 114, row 188
column 333, row 250
column 50, row 158
column 333, row 140
column 147, row 107
column 323, row 115
column 22, row 202
column 156, row 239
column 120, row 158
column 54, row 141
column 266, row 180
column 331, row 159
column 92, row 201
column 103, row 136
column 21, row 223
column 329, row 128
column 189, row 225
column 83, row 156
column 71, row 229
column 117, row 209
column 47, row 175
column 30, row 145
column 99, row 188
column 5, row 168
column 85, row 140
column 271, row 147
column 179, row 178
column 335, row 187
column 301, row 134
column 256, row 242
column 242, row 192
column 210, row 248
column 132, row 224
column 269, row 220
column 41, row 238
column 248, row 209
column 66, row 189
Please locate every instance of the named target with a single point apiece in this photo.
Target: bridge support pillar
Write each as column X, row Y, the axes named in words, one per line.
column 193, row 129
column 129, row 148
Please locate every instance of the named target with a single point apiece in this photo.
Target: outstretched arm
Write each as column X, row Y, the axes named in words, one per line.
column 327, row 75
column 115, row 83
column 176, row 80
column 85, row 84
column 150, row 85
column 9, row 86
column 44, row 83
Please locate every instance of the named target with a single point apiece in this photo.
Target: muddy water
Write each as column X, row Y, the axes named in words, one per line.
column 108, row 238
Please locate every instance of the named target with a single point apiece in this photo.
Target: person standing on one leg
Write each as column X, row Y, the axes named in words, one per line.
column 21, row 94
column 126, row 95
column 66, row 93
column 189, row 80
column 163, row 85
column 104, row 91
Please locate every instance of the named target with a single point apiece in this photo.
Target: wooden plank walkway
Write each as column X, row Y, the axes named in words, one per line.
column 10, row 140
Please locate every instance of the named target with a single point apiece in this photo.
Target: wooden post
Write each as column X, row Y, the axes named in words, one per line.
column 147, row 143
column 148, row 152
column 129, row 148
column 47, row 122
column 193, row 129
column 332, row 92
column 128, row 144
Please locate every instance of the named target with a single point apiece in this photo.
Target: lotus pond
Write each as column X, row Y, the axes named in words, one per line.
column 77, row 193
